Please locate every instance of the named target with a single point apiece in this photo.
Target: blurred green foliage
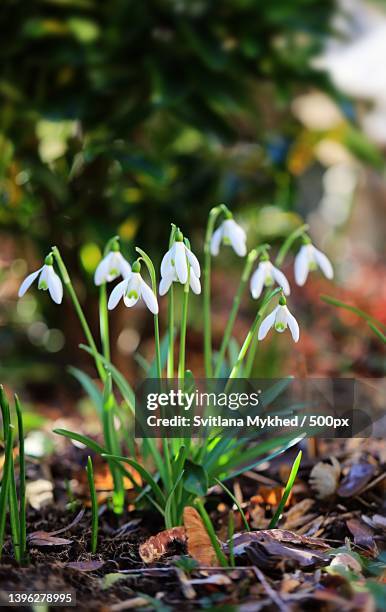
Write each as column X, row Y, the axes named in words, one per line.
column 129, row 114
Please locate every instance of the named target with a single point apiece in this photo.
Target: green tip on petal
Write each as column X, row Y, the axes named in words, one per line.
column 49, row 260
column 136, row 267
column 132, row 294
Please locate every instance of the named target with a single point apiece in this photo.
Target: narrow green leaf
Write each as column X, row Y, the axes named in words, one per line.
column 118, row 378
column 287, row 490
column 195, row 478
column 144, row 473
column 89, row 387
column 234, row 499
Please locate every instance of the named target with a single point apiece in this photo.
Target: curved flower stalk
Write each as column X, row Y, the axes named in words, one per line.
column 265, row 275
column 310, row 258
column 175, row 264
column 48, row 280
column 280, row 318
column 131, row 289
column 112, row 265
column 230, row 233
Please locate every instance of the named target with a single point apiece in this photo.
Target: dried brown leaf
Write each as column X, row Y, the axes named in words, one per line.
column 156, row 546
column 357, row 478
column 42, row 538
column 363, row 535
column 267, row 548
column 85, row 566
column 199, row 544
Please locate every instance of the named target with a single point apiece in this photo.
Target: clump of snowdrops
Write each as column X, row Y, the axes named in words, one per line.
column 170, row 474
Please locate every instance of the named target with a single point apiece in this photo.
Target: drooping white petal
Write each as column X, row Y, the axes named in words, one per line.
column 27, row 282
column 281, row 280
column 117, row 293
column 324, row 263
column 267, row 324
column 124, row 266
column 55, row 286
column 193, row 262
column 113, row 269
column 133, row 290
column 302, row 265
column 257, row 281
column 100, row 275
column 216, row 241
column 194, row 282
column 180, row 262
column 236, row 235
column 43, row 278
column 281, row 319
column 293, row 326
column 166, row 282
column 166, row 263
column 149, row 297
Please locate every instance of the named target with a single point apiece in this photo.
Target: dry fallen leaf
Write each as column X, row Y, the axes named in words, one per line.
column 267, row 548
column 363, row 535
column 298, row 515
column 156, row 546
column 42, row 538
column 85, row 566
column 357, row 478
column 199, row 544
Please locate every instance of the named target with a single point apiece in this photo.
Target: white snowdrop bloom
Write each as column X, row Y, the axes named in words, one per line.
column 166, row 282
column 112, row 266
column 231, row 233
column 280, row 318
column 310, row 258
column 174, row 266
column 265, row 275
column 131, row 289
column 48, row 280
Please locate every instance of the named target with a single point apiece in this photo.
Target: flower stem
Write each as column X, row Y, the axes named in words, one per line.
column 243, row 351
column 87, row 332
column 104, row 322
column 214, row 213
column 22, row 490
column 94, row 505
column 170, row 363
column 252, row 256
column 184, row 318
column 157, row 346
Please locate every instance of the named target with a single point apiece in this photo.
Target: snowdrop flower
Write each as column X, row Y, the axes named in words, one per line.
column 310, row 258
column 266, row 275
column 131, row 289
column 48, row 280
column 231, row 233
column 280, row 318
column 174, row 267
column 112, row 266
